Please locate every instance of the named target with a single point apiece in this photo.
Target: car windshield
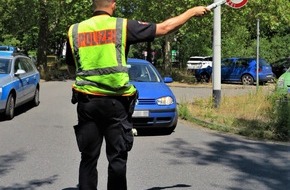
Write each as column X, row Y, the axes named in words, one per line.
column 142, row 73
column 5, row 66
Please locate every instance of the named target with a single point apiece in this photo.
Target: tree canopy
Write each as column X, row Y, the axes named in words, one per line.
column 40, row 27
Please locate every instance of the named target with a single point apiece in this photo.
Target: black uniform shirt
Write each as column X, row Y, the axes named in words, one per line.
column 136, row 32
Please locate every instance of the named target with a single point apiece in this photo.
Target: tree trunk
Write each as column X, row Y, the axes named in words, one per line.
column 149, row 50
column 167, row 63
column 42, row 40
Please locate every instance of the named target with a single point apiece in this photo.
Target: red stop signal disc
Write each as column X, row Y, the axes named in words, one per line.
column 236, row 3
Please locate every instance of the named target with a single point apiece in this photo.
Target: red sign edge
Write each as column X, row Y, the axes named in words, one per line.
column 236, row 5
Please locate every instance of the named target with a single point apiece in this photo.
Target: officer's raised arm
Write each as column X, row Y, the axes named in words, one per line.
column 174, row 23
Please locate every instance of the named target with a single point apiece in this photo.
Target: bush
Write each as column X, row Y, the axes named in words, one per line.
column 179, row 75
column 183, row 111
column 258, row 115
column 280, row 116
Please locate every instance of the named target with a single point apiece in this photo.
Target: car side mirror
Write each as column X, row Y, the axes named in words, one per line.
column 19, row 72
column 168, row 80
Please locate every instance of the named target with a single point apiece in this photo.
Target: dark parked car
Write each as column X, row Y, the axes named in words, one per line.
column 203, row 75
column 19, row 82
column 279, row 67
column 239, row 70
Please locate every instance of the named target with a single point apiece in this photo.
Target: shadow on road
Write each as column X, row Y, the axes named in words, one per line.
column 19, row 110
column 72, row 188
column 265, row 163
column 32, row 185
column 7, row 161
column 169, row 187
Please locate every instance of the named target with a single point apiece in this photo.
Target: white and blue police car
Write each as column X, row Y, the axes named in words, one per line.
column 19, row 81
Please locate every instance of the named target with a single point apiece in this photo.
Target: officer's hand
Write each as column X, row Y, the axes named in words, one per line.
column 200, row 11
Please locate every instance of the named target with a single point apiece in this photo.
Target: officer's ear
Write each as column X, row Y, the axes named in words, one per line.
column 114, row 6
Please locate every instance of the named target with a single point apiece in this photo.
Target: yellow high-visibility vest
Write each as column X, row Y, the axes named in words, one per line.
column 98, row 46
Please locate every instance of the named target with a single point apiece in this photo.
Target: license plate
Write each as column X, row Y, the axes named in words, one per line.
column 140, row 114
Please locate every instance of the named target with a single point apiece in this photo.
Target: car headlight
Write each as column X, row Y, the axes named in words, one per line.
column 280, row 83
column 0, row 89
column 165, row 100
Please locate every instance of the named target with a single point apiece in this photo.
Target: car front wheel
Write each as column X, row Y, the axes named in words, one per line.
column 35, row 101
column 204, row 77
column 247, row 79
column 10, row 108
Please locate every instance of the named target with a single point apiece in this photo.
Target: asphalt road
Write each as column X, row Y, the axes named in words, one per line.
column 38, row 152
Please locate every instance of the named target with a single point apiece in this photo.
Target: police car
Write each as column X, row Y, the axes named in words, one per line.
column 19, row 81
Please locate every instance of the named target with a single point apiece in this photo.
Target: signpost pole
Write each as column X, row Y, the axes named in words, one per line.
column 216, row 78
column 216, row 74
column 258, row 53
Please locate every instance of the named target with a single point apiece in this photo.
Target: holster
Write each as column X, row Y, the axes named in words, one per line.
column 132, row 102
column 74, row 98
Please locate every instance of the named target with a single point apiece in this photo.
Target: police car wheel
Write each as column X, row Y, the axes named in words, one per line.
column 10, row 107
column 35, row 100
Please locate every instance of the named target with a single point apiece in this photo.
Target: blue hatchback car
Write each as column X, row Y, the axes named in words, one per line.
column 156, row 106
column 19, row 82
column 239, row 70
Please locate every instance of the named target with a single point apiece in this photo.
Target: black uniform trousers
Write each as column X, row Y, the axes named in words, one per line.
column 103, row 118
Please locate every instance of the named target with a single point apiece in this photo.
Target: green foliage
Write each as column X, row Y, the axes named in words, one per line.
column 11, row 40
column 279, row 114
column 183, row 111
column 182, row 76
column 17, row 22
column 263, row 115
column 20, row 25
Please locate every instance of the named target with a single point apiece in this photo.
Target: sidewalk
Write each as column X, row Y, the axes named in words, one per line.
column 224, row 86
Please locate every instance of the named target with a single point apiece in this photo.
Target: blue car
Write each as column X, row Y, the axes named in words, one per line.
column 239, row 70
column 19, row 82
column 156, row 106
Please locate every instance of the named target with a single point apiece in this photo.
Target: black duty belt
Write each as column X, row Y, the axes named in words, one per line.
column 86, row 97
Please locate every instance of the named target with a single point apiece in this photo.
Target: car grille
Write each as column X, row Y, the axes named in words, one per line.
column 150, row 121
column 146, row 102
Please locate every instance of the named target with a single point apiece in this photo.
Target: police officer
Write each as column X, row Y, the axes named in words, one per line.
column 97, row 53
